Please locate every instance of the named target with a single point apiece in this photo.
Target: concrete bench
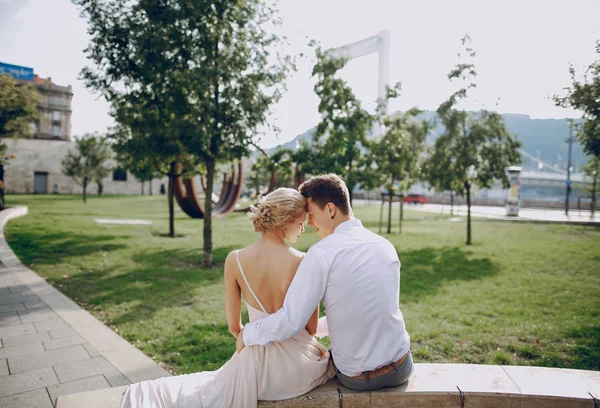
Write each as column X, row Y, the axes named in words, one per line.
column 431, row 385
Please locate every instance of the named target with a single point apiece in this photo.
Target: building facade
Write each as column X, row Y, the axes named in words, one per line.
column 34, row 164
column 55, row 110
column 36, row 167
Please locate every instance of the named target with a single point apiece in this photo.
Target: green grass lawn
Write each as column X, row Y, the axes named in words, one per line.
column 523, row 294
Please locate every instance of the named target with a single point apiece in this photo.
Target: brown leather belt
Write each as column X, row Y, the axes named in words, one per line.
column 381, row 370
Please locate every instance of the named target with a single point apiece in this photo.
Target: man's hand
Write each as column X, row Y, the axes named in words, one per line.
column 239, row 342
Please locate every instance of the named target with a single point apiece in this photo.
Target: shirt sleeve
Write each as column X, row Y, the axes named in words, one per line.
column 303, row 296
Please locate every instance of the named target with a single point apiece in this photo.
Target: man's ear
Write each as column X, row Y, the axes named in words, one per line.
column 331, row 209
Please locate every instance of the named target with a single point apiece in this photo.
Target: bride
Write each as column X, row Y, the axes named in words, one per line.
column 261, row 273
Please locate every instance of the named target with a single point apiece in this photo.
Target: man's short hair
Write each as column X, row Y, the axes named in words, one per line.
column 327, row 188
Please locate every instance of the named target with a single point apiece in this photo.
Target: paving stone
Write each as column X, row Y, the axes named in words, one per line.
column 16, row 330
column 116, row 379
column 64, row 332
column 47, row 359
column 16, row 298
column 20, row 289
column 35, row 304
column 31, row 380
column 49, row 324
column 11, row 307
column 87, row 384
column 37, row 315
column 24, row 339
column 62, row 342
column 8, row 281
column 4, row 291
column 91, row 351
column 81, row 369
column 21, row 350
column 31, row 399
column 108, row 397
column 9, row 319
column 3, row 367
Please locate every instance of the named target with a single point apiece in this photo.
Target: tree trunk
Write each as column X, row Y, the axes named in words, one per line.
column 100, row 188
column 172, row 176
column 210, row 176
column 389, row 227
column 142, row 187
column 452, row 203
column 401, row 214
column 150, row 186
column 85, row 183
column 468, row 187
column 593, row 206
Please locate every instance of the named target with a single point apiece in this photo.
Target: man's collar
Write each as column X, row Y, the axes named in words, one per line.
column 353, row 222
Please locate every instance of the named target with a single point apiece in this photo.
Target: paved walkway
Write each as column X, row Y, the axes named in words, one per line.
column 499, row 213
column 50, row 347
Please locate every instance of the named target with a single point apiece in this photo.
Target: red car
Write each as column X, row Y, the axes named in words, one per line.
column 415, row 199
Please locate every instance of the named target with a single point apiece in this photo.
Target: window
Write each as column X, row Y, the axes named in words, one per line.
column 119, row 174
column 56, row 116
column 56, row 130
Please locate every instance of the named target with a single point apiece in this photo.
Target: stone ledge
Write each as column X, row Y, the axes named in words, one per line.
column 431, row 385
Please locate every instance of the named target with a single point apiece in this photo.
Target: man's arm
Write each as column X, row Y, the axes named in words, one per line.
column 305, row 292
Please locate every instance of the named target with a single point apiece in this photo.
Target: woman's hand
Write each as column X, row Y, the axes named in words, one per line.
column 239, row 342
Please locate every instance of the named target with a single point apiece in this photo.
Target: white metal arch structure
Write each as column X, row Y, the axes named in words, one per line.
column 379, row 44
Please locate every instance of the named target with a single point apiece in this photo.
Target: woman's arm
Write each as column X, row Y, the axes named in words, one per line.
column 232, row 297
column 311, row 326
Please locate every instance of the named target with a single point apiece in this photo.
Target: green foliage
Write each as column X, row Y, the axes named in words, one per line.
column 86, row 163
column 399, row 154
column 473, row 149
column 344, row 122
column 190, row 78
column 18, row 109
column 584, row 95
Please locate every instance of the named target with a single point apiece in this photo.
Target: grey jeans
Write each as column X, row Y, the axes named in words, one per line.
column 394, row 378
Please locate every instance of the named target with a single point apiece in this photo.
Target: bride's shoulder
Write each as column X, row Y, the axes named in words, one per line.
column 297, row 254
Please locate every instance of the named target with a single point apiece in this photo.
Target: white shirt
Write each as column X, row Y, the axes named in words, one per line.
column 357, row 275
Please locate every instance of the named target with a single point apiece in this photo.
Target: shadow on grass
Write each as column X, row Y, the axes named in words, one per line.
column 585, row 354
column 164, row 279
column 196, row 347
column 424, row 271
column 42, row 247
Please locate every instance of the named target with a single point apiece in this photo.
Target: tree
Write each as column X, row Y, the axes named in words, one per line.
column 18, row 110
column 149, row 146
column 282, row 160
column 204, row 73
column 142, row 168
column 303, row 159
column 398, row 155
column 344, row 121
column 258, row 176
column 100, row 175
column 585, row 96
column 87, row 162
column 592, row 170
column 474, row 149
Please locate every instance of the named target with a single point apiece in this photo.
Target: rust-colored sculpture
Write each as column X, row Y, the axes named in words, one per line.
column 185, row 194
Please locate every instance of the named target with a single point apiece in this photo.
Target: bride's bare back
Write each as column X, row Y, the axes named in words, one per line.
column 269, row 268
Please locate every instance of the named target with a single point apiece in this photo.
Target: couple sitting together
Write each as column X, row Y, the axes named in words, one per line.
column 355, row 272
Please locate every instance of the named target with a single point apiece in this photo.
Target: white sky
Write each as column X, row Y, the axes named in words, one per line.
column 524, row 48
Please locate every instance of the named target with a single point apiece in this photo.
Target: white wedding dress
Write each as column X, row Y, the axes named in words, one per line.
column 273, row 372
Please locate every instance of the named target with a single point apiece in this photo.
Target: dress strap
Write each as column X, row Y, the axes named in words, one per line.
column 247, row 284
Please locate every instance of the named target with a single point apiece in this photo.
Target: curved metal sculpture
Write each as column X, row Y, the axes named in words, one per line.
column 185, row 194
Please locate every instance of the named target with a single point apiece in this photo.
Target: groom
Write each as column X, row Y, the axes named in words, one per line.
column 357, row 275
